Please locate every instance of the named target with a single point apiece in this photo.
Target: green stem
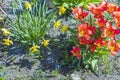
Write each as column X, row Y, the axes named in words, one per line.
column 3, row 11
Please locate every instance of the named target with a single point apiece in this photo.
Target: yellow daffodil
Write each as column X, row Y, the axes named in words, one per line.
column 64, row 28
column 6, row 32
column 62, row 10
column 46, row 42
column 7, row 42
column 28, row 5
column 1, row 19
column 34, row 48
column 57, row 24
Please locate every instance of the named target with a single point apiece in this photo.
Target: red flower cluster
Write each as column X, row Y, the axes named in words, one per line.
column 76, row 52
column 79, row 13
column 103, row 32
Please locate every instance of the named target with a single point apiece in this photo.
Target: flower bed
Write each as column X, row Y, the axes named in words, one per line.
column 48, row 43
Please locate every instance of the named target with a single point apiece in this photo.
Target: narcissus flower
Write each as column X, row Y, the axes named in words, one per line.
column 64, row 28
column 76, row 52
column 46, row 42
column 113, row 47
column 62, row 10
column 34, row 48
column 28, row 5
column 7, row 42
column 6, row 32
column 57, row 24
column 79, row 13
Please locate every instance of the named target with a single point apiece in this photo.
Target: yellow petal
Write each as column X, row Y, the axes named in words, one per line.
column 64, row 28
column 6, row 32
column 57, row 24
column 46, row 42
column 7, row 42
column 34, row 48
column 62, row 10
column 27, row 5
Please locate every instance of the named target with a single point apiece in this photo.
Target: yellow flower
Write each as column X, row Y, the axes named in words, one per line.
column 62, row 10
column 27, row 5
column 64, row 28
column 1, row 19
column 45, row 42
column 34, row 48
column 7, row 42
column 6, row 32
column 57, row 24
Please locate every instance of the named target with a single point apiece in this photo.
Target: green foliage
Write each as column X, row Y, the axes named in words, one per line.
column 94, row 64
column 31, row 26
column 69, row 4
column 2, row 69
column 2, row 78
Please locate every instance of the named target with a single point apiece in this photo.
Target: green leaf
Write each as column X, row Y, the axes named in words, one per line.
column 58, row 2
column 80, row 4
column 106, row 62
column 118, row 41
column 66, row 5
column 94, row 64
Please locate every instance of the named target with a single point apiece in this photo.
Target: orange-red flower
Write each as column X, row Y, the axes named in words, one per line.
column 101, row 22
column 113, row 47
column 76, row 52
column 79, row 13
column 108, row 31
column 111, row 7
column 116, row 16
column 117, row 21
column 103, row 5
column 97, row 11
column 118, row 8
column 92, row 48
column 99, row 42
column 85, row 41
column 85, row 31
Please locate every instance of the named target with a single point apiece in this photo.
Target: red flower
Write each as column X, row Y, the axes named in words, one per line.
column 111, row 7
column 79, row 13
column 85, row 41
column 85, row 31
column 99, row 42
column 101, row 22
column 97, row 11
column 92, row 48
column 103, row 5
column 118, row 8
column 76, row 52
column 116, row 16
column 113, row 47
column 92, row 29
column 117, row 20
column 108, row 31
